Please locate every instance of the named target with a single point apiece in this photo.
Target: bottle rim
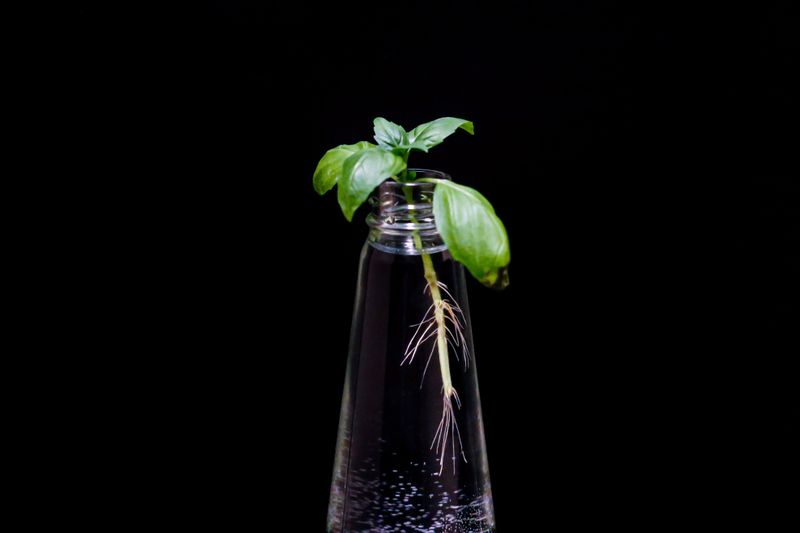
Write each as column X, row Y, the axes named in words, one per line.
column 392, row 214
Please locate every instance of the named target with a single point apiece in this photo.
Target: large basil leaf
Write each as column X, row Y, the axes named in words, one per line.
column 362, row 172
column 472, row 231
column 432, row 133
column 329, row 168
column 388, row 133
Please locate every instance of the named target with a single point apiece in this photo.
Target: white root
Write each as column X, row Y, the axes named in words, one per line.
column 446, row 327
column 448, row 429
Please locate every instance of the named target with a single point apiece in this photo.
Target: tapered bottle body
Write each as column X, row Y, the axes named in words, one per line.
column 410, row 454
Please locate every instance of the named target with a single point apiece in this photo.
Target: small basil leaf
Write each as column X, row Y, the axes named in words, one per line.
column 329, row 168
column 388, row 133
column 362, row 172
column 432, row 133
column 472, row 231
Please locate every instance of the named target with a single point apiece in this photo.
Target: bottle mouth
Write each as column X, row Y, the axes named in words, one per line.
column 402, row 207
column 419, row 173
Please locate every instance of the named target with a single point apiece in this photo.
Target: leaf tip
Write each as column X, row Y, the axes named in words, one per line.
column 318, row 188
column 347, row 211
column 497, row 279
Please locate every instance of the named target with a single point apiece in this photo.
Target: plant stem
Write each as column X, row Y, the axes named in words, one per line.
column 404, row 174
column 441, row 335
column 438, row 304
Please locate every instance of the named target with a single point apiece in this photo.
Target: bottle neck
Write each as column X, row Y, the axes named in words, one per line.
column 402, row 220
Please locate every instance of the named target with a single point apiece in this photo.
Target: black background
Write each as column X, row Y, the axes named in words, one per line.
column 637, row 370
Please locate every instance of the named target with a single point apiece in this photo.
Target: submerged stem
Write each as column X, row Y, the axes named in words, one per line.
column 438, row 304
column 441, row 326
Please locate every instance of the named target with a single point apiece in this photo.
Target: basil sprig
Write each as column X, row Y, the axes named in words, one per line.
column 466, row 220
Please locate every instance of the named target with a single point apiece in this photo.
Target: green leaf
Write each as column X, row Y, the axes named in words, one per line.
column 472, row 231
column 432, row 133
column 362, row 172
column 405, row 147
column 388, row 133
column 329, row 168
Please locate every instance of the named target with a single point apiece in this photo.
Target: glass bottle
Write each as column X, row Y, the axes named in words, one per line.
column 410, row 454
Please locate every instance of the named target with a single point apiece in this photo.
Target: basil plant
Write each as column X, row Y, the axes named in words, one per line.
column 465, row 219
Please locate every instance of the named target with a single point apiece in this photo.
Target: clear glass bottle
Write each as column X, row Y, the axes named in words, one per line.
column 410, row 454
